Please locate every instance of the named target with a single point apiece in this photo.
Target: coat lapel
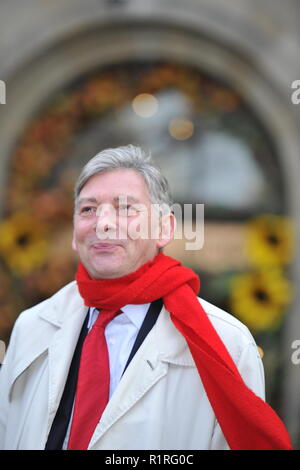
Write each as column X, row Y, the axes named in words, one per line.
column 61, row 352
column 58, row 324
column 37, row 339
column 71, row 315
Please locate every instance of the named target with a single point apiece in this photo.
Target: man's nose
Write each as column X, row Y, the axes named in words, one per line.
column 105, row 220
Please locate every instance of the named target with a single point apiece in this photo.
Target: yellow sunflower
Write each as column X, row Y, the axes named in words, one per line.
column 23, row 244
column 259, row 299
column 269, row 241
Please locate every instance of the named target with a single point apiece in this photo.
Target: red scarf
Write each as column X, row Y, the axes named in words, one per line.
column 248, row 423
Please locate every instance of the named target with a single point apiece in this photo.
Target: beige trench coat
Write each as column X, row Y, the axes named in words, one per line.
column 160, row 402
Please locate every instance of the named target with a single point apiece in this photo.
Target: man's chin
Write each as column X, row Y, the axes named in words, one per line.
column 107, row 269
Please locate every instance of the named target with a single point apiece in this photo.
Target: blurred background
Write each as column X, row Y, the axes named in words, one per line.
column 206, row 86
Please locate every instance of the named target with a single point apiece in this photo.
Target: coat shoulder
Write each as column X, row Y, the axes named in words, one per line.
column 221, row 318
column 47, row 306
column 233, row 332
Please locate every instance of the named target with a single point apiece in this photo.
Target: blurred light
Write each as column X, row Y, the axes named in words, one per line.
column 181, row 129
column 145, row 105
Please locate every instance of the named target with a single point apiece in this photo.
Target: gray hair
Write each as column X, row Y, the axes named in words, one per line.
column 130, row 157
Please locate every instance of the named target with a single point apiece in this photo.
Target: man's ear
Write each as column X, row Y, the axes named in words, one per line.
column 167, row 230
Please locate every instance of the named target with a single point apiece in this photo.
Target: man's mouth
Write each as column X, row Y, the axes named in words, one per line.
column 103, row 246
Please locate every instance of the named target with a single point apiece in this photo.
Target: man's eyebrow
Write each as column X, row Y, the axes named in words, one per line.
column 85, row 199
column 126, row 198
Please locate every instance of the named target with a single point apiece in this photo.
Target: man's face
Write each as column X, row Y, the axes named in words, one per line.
column 112, row 224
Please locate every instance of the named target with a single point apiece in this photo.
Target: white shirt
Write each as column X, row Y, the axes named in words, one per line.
column 120, row 334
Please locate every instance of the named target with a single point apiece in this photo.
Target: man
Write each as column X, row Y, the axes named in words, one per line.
column 126, row 356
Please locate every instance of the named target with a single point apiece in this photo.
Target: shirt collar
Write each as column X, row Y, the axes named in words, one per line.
column 134, row 312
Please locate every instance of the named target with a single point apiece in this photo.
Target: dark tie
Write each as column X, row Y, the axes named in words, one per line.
column 92, row 392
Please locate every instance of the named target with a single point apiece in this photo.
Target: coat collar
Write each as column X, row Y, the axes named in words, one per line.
column 49, row 327
column 67, row 303
column 64, row 313
column 61, row 305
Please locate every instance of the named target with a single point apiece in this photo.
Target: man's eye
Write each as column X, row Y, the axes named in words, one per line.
column 87, row 210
